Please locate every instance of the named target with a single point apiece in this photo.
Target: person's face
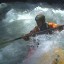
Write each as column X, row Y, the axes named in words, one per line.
column 39, row 23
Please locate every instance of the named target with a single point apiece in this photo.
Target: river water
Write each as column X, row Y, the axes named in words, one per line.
column 18, row 19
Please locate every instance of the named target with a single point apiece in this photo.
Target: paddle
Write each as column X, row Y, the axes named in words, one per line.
column 41, row 32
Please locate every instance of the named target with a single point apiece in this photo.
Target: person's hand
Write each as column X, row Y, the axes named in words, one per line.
column 26, row 37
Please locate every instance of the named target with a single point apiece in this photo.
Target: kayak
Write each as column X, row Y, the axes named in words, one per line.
column 59, row 54
column 56, row 58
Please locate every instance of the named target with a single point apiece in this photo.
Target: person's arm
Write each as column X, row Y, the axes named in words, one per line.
column 26, row 37
column 54, row 25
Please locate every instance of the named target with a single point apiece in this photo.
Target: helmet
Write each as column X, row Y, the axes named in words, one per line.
column 40, row 17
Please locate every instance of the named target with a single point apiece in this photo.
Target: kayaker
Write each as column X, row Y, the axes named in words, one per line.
column 41, row 25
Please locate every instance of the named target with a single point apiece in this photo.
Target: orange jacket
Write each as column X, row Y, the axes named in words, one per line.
column 50, row 25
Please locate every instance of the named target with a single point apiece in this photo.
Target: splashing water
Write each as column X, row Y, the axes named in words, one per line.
column 17, row 22
column 44, row 54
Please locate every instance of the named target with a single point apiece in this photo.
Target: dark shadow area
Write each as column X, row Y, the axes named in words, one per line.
column 36, row 1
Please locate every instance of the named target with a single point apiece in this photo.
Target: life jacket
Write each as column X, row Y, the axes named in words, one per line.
column 52, row 25
column 44, row 27
column 48, row 25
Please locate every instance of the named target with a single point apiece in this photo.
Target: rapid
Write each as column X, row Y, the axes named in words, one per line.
column 17, row 19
